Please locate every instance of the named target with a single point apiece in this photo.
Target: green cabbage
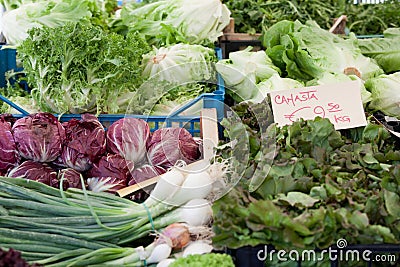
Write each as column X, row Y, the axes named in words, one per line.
column 15, row 23
column 385, row 91
column 179, row 63
column 305, row 52
column 244, row 70
column 274, row 83
column 173, row 21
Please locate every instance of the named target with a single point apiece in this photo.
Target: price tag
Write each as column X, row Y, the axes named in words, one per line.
column 341, row 103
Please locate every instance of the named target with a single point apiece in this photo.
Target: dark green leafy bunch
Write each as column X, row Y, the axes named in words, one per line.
column 253, row 142
column 80, row 67
column 371, row 19
column 252, row 16
column 323, row 185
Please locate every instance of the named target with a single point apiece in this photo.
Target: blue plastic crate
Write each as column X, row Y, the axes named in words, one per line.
column 191, row 123
column 7, row 62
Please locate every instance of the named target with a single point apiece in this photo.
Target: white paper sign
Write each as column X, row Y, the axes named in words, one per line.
column 341, row 103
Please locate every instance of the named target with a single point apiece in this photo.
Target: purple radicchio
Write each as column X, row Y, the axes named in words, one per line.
column 85, row 142
column 145, row 172
column 9, row 156
column 8, row 118
column 39, row 137
column 128, row 137
column 37, row 171
column 110, row 173
column 70, row 178
column 168, row 145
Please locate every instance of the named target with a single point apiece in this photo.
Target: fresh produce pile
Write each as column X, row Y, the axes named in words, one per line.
column 300, row 186
column 81, row 228
column 39, row 147
column 323, row 185
column 98, row 61
column 252, row 16
column 300, row 55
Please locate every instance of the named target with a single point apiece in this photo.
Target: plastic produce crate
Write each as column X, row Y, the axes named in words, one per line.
column 8, row 62
column 191, row 123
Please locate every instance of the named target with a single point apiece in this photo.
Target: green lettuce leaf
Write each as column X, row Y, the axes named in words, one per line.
column 386, row 51
column 16, row 23
column 385, row 91
column 305, row 51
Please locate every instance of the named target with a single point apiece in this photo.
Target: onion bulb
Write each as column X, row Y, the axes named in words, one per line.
column 196, row 212
column 195, row 186
column 159, row 253
column 168, row 184
column 176, row 235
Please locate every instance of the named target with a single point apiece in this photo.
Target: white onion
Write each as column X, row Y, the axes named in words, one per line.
column 196, row 212
column 168, row 184
column 159, row 253
column 195, row 186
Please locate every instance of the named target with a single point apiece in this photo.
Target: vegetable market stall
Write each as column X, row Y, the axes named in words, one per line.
column 300, row 187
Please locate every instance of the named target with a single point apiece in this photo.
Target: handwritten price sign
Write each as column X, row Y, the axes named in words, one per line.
column 340, row 103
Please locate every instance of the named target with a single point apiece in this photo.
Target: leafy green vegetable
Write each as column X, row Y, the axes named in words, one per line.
column 251, row 16
column 371, row 19
column 179, row 96
column 305, row 51
column 244, row 70
column 386, row 51
column 18, row 96
column 385, row 91
column 80, row 68
column 392, row 33
column 204, row 260
column 16, row 23
column 179, row 63
column 183, row 21
column 323, row 185
column 275, row 83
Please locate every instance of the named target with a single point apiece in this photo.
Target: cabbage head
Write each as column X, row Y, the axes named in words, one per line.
column 385, row 91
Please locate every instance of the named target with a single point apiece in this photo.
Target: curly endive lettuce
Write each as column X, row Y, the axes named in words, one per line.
column 80, row 68
column 204, row 260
